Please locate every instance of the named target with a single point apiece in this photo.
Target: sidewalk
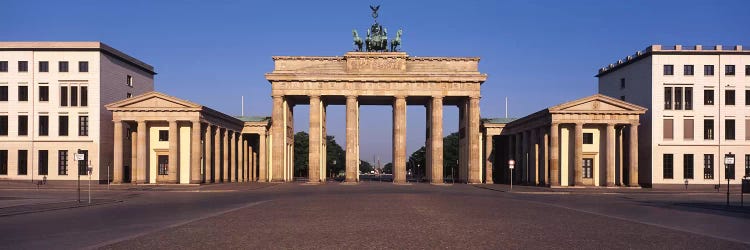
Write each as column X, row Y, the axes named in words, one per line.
column 95, row 186
column 735, row 189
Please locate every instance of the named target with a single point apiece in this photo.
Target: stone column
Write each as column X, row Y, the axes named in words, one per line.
column 554, row 152
column 475, row 164
column 545, row 156
column 174, row 151
column 217, row 154
column 634, row 155
column 245, row 165
column 533, row 151
column 278, row 134
column 399, row 140
column 195, row 153
column 610, row 168
column 489, row 157
column 262, row 161
column 314, row 140
column 225, row 156
column 352, row 163
column 232, row 166
column 436, row 136
column 577, row 168
column 117, row 154
column 133, row 154
column 207, row 156
column 240, row 159
column 142, row 152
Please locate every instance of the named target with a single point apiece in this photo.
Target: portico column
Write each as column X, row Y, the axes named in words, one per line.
column 225, row 156
column 577, row 168
column 399, row 140
column 207, row 156
column 133, row 154
column 533, row 151
column 475, row 164
column 262, row 162
column 142, row 152
column 174, row 151
column 195, row 153
column 314, row 140
column 117, row 153
column 545, row 156
column 239, row 160
column 278, row 134
column 436, row 135
column 554, row 152
column 489, row 157
column 633, row 155
column 352, row 163
column 610, row 154
column 245, row 163
column 217, row 155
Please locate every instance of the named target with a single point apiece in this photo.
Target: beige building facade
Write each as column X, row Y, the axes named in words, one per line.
column 698, row 101
column 52, row 97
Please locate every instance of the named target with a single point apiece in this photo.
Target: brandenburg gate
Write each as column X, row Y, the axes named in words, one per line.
column 375, row 78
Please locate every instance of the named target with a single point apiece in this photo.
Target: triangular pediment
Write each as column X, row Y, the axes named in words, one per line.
column 153, row 100
column 597, row 103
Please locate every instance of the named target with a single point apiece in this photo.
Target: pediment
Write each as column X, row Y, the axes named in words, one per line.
column 597, row 103
column 153, row 100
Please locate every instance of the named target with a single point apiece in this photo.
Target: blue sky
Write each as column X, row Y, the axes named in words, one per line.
column 537, row 53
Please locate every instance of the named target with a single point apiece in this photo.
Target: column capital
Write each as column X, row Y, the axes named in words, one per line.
column 636, row 124
column 611, row 124
column 275, row 96
column 399, row 97
column 314, row 97
column 437, row 97
column 351, row 96
column 473, row 97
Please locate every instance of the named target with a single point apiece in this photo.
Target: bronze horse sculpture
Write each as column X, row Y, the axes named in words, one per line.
column 357, row 40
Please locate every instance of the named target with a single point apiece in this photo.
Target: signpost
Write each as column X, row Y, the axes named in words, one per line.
column 511, row 165
column 78, row 158
column 89, row 170
column 728, row 161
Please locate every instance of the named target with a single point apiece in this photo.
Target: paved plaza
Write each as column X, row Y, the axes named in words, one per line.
column 370, row 215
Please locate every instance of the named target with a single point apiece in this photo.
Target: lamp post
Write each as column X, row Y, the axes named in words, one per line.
column 728, row 161
column 511, row 165
column 88, row 171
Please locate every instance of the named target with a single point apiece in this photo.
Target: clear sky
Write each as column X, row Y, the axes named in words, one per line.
column 537, row 53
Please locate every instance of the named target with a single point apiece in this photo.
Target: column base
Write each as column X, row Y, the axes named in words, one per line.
column 475, row 181
column 195, row 182
column 489, row 182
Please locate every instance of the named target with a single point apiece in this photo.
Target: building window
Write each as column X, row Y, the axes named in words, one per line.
column 163, row 165
column 668, row 166
column 43, row 160
column 163, row 135
column 84, row 96
column 588, row 168
column 622, row 83
column 62, row 162
column 708, row 166
column 668, row 129
column 729, row 97
column 747, row 70
column 129, row 80
column 747, row 129
column 23, row 160
column 83, row 66
column 84, row 164
column 62, row 66
column 668, row 70
column 708, row 70
column 747, row 165
column 3, row 162
column 677, row 98
column 688, row 165
column 708, row 129
column 23, row 125
column 73, row 96
column 688, row 70
column 688, row 98
column 747, row 97
column 689, row 130
column 43, row 93
column 62, row 125
column 729, row 70
column 3, row 66
column 667, row 98
column 63, row 96
column 128, row 95
column 708, row 97
column 83, row 126
column 23, row 93
column 43, row 66
column 43, row 125
column 4, row 93
column 23, row 66
column 729, row 129
column 3, row 125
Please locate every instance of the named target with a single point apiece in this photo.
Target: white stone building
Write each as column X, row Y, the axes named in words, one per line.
column 698, row 101
column 52, row 97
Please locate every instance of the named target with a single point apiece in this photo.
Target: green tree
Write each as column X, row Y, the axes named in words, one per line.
column 365, row 167
column 301, row 157
column 450, row 154
column 416, row 163
column 335, row 157
column 388, row 168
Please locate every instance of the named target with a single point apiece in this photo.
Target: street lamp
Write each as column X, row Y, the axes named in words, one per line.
column 728, row 161
column 511, row 166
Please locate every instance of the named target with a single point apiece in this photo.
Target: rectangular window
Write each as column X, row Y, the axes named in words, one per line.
column 678, row 98
column 667, row 98
column 23, row 66
column 668, row 70
column 4, row 93
column 43, row 93
column 708, row 97
column 3, row 66
column 129, row 80
column 3, row 125
column 747, row 165
column 23, row 125
column 747, row 70
column 588, row 168
column 84, row 96
column 729, row 129
column 62, row 162
column 688, row 165
column 708, row 166
column 747, row 129
column 163, row 164
column 43, row 160
column 688, row 98
column 163, row 135
column 747, row 97
column 62, row 66
column 668, row 129
column 63, row 96
column 708, row 70
column 729, row 70
column 708, row 129
column 43, row 66
column 622, row 83
column 688, row 70
column 73, row 96
column 83, row 125
column 62, row 122
column 43, row 125
column 23, row 93
column 83, row 66
column 84, row 164
column 729, row 97
column 23, row 160
column 689, row 130
column 3, row 162
column 668, row 166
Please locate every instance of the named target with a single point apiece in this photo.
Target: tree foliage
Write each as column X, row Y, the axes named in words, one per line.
column 417, row 160
column 388, row 168
column 301, row 157
column 365, row 167
column 335, row 155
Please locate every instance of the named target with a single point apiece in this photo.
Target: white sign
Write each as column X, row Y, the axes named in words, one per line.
column 729, row 160
column 511, row 164
column 79, row 157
